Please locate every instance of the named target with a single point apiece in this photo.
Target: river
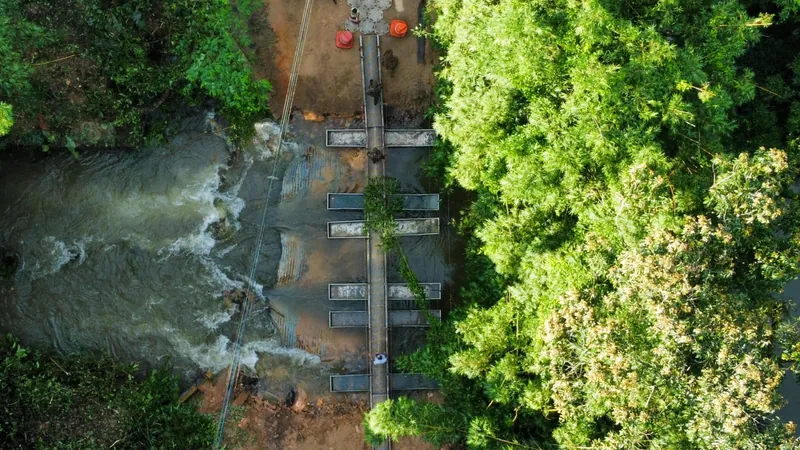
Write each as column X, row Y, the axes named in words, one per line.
column 118, row 252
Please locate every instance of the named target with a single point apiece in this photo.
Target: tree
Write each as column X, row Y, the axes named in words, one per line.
column 639, row 231
column 6, row 118
column 129, row 65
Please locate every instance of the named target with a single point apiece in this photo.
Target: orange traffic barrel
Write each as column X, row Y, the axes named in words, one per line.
column 398, row 28
column 344, row 39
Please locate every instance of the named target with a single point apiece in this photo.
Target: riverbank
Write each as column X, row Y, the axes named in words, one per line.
column 81, row 73
column 259, row 419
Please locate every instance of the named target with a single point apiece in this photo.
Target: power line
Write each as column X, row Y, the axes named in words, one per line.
column 246, row 304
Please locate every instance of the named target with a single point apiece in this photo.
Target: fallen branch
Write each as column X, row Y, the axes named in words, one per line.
column 59, row 366
column 53, row 61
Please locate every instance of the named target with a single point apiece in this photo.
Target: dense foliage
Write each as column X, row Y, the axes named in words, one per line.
column 114, row 72
column 6, row 118
column 86, row 402
column 635, row 220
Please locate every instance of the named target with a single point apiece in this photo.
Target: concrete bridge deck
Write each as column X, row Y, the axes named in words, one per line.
column 400, row 382
column 377, row 304
column 376, row 291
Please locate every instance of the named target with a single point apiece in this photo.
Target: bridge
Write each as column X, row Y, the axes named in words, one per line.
column 378, row 294
column 355, row 202
column 356, row 229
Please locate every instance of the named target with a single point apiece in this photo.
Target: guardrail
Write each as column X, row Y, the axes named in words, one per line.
column 396, row 291
column 345, row 201
column 408, row 318
column 399, row 382
column 356, row 229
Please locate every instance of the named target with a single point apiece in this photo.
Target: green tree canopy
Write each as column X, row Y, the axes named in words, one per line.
column 634, row 164
column 128, row 66
column 6, row 118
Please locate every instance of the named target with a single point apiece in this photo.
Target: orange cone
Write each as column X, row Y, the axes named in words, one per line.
column 398, row 28
column 344, row 39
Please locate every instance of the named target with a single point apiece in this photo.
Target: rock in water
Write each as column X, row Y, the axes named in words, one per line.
column 300, row 400
column 290, row 398
column 9, row 262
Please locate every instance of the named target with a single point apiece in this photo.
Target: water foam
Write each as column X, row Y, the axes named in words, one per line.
column 207, row 196
column 265, row 141
column 218, row 279
column 225, row 250
column 80, row 248
column 256, row 287
column 56, row 257
column 213, row 320
column 218, row 355
column 203, row 193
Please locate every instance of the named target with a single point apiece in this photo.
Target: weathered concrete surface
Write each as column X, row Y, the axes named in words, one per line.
column 397, row 291
column 394, row 138
column 348, row 319
column 347, row 291
column 371, row 15
column 412, row 318
column 410, row 138
column 345, row 138
column 355, row 229
column 400, row 291
column 417, row 227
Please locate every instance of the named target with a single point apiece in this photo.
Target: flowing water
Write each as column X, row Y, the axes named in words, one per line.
column 118, row 251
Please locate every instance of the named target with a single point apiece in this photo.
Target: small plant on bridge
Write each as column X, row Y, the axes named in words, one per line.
column 381, row 204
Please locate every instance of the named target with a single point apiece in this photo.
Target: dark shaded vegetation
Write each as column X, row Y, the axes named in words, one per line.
column 86, row 401
column 110, row 73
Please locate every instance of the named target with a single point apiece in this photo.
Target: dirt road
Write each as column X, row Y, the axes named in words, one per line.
column 329, row 80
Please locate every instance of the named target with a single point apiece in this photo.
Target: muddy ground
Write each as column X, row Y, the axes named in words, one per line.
column 329, row 83
column 329, row 80
column 259, row 420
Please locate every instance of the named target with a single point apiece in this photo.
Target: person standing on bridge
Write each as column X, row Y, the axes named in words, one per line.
column 380, row 358
column 374, row 90
column 355, row 17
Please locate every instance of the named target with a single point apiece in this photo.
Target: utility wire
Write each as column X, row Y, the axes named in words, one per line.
column 246, row 304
